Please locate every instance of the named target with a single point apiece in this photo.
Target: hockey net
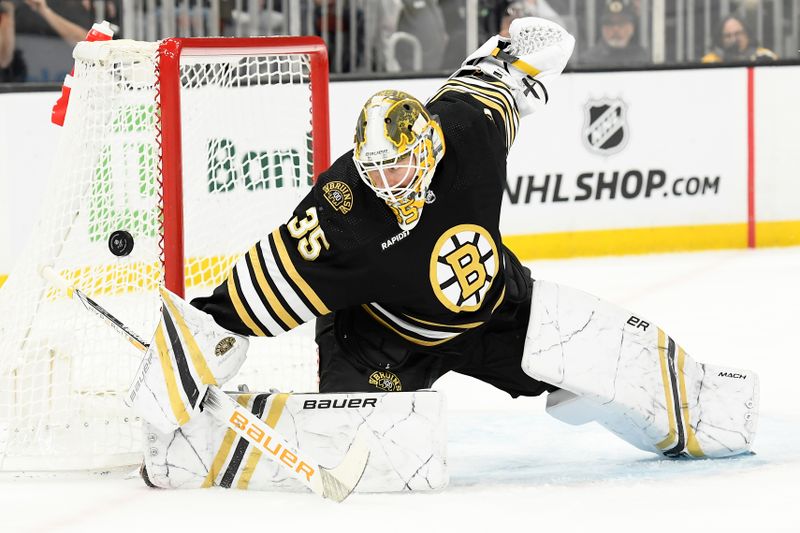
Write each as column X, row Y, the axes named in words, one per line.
column 194, row 147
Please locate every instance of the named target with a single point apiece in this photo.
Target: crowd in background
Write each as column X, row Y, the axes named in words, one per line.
column 37, row 36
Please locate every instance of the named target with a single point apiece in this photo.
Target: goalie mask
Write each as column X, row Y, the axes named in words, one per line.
column 397, row 147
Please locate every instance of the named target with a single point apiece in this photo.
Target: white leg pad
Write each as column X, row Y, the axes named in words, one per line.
column 570, row 408
column 408, row 444
column 632, row 378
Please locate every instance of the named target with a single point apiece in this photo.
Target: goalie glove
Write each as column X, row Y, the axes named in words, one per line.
column 535, row 54
column 188, row 352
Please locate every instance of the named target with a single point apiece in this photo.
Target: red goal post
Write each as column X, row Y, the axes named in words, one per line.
column 170, row 52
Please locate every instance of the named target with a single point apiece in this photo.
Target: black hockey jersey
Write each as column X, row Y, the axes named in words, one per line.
column 343, row 249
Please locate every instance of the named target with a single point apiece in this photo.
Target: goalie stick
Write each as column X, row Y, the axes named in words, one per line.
column 332, row 483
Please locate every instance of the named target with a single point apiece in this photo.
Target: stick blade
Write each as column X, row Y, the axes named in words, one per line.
column 338, row 482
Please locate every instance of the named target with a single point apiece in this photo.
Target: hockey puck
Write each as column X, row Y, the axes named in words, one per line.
column 120, row 243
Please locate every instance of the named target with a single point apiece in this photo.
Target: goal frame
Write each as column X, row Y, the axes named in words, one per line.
column 60, row 403
column 170, row 155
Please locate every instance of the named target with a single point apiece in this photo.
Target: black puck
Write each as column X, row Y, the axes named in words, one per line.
column 120, row 243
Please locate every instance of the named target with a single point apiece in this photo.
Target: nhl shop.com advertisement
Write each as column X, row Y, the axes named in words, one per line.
column 611, row 155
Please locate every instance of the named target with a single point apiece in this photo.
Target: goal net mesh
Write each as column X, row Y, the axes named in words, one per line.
column 246, row 143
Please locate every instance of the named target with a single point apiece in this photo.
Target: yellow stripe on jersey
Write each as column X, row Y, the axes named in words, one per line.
column 244, row 316
column 196, row 355
column 499, row 300
column 504, row 92
column 266, row 290
column 298, row 280
column 500, row 93
column 175, row 401
column 406, row 337
column 468, row 325
column 509, row 128
column 494, row 105
column 506, row 109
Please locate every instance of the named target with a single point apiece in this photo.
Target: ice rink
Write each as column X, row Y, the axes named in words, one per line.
column 512, row 467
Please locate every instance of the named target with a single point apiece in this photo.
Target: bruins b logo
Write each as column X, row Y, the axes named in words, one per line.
column 464, row 264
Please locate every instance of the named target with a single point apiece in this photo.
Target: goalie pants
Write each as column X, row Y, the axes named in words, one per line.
column 358, row 355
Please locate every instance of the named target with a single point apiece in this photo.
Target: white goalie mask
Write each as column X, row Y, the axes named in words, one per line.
column 397, row 147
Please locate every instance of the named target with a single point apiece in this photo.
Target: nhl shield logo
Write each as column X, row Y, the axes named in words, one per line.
column 605, row 129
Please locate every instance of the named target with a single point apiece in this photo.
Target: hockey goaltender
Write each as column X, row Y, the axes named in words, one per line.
column 397, row 254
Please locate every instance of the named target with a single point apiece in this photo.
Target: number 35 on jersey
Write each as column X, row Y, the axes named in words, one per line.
column 309, row 235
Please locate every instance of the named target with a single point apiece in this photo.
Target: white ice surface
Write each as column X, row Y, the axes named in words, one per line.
column 512, row 467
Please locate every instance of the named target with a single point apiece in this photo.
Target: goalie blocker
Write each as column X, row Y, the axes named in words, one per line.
column 406, row 437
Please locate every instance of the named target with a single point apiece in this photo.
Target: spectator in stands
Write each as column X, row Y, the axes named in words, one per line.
column 328, row 23
column 515, row 9
column 110, row 13
column 68, row 19
column 617, row 46
column 47, row 31
column 414, row 27
column 455, row 22
column 733, row 43
column 12, row 66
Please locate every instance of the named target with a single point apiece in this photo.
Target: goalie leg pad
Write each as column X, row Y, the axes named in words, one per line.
column 628, row 375
column 188, row 352
column 407, row 445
